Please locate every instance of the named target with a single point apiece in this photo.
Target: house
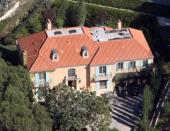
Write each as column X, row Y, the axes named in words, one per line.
column 82, row 57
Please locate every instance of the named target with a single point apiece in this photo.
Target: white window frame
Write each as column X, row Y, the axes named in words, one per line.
column 85, row 54
column 120, row 66
column 55, row 57
column 103, row 84
column 145, row 64
column 71, row 72
column 103, row 70
column 132, row 65
column 42, row 76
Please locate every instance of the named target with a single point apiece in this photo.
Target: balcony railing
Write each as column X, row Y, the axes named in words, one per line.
column 41, row 83
column 101, row 77
column 71, row 78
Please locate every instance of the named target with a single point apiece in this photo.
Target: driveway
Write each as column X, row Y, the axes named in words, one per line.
column 122, row 109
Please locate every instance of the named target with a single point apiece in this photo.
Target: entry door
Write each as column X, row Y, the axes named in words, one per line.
column 72, row 84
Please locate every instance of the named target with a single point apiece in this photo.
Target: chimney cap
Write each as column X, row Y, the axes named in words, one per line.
column 49, row 24
column 119, row 24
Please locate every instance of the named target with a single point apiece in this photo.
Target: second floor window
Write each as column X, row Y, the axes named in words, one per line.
column 119, row 65
column 42, row 76
column 145, row 63
column 71, row 72
column 132, row 64
column 102, row 70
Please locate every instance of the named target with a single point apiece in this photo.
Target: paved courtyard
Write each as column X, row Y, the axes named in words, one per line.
column 122, row 109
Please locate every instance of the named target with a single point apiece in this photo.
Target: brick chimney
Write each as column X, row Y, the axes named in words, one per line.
column 119, row 25
column 24, row 57
column 49, row 24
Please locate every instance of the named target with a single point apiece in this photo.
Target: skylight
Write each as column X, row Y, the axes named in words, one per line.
column 72, row 31
column 57, row 33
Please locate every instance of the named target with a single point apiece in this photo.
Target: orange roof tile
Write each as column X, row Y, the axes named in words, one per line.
column 32, row 45
column 39, row 47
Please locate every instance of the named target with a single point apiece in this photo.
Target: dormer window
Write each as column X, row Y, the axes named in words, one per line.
column 54, row 55
column 84, row 52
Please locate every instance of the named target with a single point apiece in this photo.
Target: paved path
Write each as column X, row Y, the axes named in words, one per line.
column 160, row 105
column 10, row 12
column 123, row 115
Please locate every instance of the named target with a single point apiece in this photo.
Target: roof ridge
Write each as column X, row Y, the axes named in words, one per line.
column 94, row 55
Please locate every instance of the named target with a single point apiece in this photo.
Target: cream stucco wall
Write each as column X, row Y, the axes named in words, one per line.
column 58, row 76
column 110, row 87
column 85, row 75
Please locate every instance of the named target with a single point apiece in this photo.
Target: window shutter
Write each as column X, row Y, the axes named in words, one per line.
column 107, row 70
column 125, row 65
column 97, row 85
column 97, row 71
column 47, row 76
column 108, row 73
column 129, row 65
column 36, row 79
column 97, row 74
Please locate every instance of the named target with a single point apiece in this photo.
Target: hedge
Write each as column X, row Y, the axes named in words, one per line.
column 135, row 5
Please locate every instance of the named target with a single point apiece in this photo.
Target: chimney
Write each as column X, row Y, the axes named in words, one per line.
column 49, row 24
column 24, row 58
column 119, row 25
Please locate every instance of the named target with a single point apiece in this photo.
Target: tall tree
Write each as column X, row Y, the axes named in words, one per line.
column 147, row 106
column 80, row 17
column 61, row 13
column 72, row 109
column 17, row 111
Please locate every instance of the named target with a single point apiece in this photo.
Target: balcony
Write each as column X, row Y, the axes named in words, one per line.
column 72, row 78
column 101, row 77
column 41, row 83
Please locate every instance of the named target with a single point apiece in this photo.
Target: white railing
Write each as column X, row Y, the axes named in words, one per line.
column 102, row 77
column 42, row 82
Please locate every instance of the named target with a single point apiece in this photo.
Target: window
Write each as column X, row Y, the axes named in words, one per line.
column 71, row 72
column 84, row 52
column 145, row 63
column 42, row 76
column 120, row 65
column 54, row 55
column 132, row 64
column 72, row 31
column 103, row 84
column 102, row 70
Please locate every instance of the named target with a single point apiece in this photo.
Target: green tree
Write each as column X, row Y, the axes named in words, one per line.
column 147, row 107
column 76, row 109
column 17, row 111
column 34, row 23
column 81, row 13
column 61, row 13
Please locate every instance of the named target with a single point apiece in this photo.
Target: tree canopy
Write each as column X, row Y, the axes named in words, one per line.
column 17, row 111
column 72, row 109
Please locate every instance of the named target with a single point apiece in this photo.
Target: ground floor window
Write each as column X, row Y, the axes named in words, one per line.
column 103, row 84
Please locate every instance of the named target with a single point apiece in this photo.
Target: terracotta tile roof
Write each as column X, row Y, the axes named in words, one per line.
column 32, row 45
column 120, row 50
column 39, row 48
